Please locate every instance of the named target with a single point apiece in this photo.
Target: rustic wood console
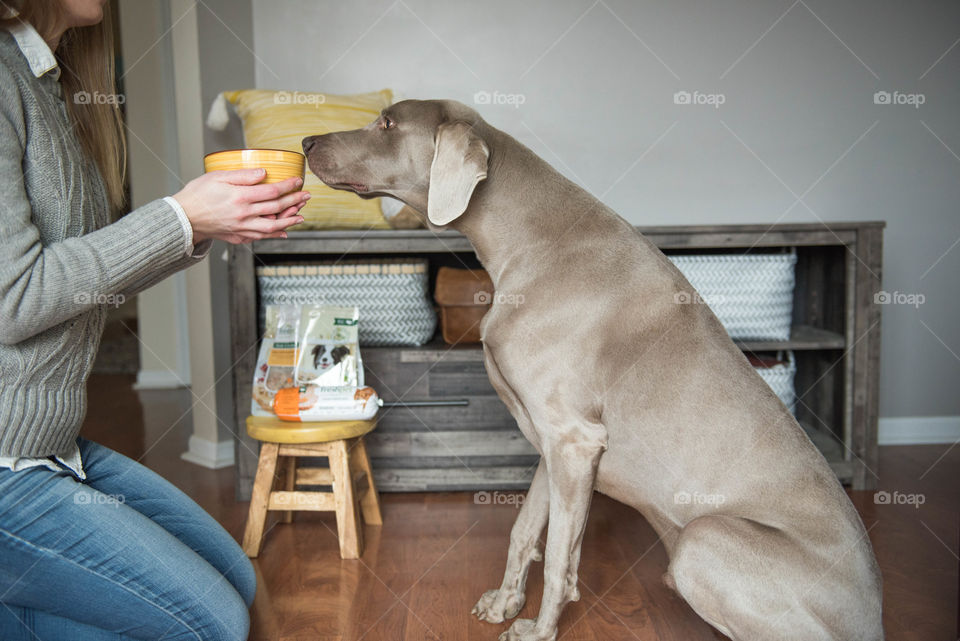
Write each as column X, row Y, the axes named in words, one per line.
column 835, row 338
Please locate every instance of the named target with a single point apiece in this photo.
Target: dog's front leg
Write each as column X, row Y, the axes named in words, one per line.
column 506, row 602
column 571, row 469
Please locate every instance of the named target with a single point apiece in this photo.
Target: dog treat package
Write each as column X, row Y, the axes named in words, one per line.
column 309, row 367
column 327, row 377
column 277, row 358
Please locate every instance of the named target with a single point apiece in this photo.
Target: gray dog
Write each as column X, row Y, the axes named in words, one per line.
column 663, row 404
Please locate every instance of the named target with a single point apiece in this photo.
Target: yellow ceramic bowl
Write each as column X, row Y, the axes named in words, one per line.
column 280, row 164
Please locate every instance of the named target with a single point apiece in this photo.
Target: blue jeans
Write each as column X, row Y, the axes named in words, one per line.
column 122, row 555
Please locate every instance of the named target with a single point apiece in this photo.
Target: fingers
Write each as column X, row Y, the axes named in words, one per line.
column 297, row 198
column 271, row 191
column 290, row 211
column 264, row 225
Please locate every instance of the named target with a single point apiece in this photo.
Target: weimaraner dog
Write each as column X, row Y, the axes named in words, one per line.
column 656, row 408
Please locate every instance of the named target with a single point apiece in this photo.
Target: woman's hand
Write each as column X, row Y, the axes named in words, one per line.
column 231, row 206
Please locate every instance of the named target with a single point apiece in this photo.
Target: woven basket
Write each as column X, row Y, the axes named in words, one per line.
column 780, row 379
column 391, row 295
column 751, row 294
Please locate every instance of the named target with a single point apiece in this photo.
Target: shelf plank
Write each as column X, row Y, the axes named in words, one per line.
column 406, row 241
column 435, row 442
column 802, row 337
column 827, row 443
column 426, row 479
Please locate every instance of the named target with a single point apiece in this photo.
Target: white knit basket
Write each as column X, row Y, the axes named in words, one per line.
column 780, row 379
column 391, row 295
column 751, row 294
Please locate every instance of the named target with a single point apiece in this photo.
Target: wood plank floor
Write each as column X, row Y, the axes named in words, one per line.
column 436, row 553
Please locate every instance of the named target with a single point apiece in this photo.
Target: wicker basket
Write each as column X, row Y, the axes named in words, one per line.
column 751, row 294
column 391, row 295
column 780, row 378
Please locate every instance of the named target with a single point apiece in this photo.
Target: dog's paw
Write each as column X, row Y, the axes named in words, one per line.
column 526, row 630
column 496, row 605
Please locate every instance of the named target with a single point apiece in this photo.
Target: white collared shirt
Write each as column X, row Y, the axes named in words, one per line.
column 34, row 49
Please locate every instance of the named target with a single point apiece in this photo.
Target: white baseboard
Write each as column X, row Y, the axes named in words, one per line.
column 209, row 454
column 158, row 379
column 918, row 430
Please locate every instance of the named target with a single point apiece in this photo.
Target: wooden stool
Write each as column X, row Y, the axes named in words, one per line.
column 349, row 474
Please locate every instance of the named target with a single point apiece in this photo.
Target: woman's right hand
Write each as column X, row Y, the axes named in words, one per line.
column 231, row 206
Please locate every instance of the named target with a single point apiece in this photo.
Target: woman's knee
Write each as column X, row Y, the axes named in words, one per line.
column 244, row 580
column 218, row 613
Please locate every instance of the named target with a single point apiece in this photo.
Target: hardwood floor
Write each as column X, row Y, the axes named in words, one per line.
column 436, row 553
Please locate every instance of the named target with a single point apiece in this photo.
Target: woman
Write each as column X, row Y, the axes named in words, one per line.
column 93, row 545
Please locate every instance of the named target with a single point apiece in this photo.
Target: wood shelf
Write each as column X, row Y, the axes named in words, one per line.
column 478, row 446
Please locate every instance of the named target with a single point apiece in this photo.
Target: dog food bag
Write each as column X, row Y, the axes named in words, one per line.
column 277, row 358
column 328, row 375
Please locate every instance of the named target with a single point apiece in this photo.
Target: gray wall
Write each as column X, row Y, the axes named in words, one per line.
column 798, row 137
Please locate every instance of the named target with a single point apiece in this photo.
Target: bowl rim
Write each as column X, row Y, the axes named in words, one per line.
column 286, row 151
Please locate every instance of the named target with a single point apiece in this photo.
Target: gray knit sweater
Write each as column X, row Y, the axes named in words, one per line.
column 60, row 258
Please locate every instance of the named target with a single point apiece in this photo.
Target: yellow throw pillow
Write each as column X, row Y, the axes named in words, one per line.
column 281, row 119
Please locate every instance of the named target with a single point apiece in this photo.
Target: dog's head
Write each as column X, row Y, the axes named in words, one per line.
column 426, row 153
column 325, row 356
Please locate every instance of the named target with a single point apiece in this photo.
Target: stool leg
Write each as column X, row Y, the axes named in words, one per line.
column 370, row 501
column 348, row 526
column 289, row 484
column 260, row 499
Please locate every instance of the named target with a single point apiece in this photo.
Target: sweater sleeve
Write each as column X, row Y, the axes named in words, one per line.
column 42, row 286
column 200, row 252
column 193, row 255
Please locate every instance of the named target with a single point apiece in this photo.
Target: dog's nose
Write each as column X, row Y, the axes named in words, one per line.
column 308, row 144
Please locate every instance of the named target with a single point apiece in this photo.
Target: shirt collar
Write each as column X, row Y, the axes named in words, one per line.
column 34, row 49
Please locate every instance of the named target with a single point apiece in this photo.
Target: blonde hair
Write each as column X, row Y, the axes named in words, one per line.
column 86, row 59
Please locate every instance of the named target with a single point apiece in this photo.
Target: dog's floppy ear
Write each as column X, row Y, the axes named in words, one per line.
column 459, row 163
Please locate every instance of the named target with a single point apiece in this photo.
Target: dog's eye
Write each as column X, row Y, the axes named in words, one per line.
column 386, row 123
